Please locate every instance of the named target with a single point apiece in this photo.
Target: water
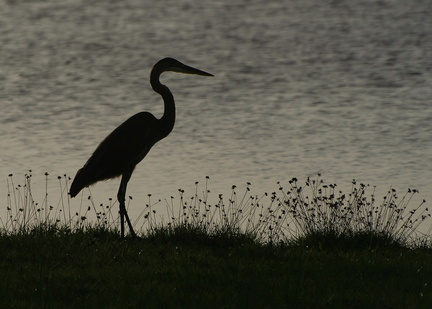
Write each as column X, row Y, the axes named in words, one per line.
column 341, row 88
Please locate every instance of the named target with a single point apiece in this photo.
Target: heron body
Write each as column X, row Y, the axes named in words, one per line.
column 119, row 153
column 132, row 141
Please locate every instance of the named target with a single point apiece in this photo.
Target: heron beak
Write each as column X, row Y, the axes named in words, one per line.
column 190, row 70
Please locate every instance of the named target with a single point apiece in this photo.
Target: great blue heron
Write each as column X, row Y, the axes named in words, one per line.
column 119, row 153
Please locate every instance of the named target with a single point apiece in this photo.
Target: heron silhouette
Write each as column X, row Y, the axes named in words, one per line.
column 119, row 153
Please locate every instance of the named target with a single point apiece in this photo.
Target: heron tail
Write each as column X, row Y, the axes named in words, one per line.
column 78, row 183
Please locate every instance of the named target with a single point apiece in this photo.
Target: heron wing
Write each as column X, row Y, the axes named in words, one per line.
column 120, row 151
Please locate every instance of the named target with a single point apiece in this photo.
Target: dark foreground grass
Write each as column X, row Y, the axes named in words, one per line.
column 56, row 268
column 304, row 246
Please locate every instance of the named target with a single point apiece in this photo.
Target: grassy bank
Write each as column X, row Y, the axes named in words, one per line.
column 307, row 246
column 188, row 269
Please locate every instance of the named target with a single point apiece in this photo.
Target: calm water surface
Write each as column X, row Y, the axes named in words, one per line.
column 341, row 88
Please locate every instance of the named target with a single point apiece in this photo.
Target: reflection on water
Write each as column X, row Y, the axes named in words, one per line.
column 301, row 87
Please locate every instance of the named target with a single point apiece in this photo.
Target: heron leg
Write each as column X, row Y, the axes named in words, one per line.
column 121, row 196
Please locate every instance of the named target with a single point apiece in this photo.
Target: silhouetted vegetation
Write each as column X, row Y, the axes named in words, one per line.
column 308, row 246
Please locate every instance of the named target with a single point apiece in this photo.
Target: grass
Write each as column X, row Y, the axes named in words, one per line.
column 96, row 269
column 305, row 247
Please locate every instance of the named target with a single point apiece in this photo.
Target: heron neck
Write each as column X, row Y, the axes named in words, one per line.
column 168, row 118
